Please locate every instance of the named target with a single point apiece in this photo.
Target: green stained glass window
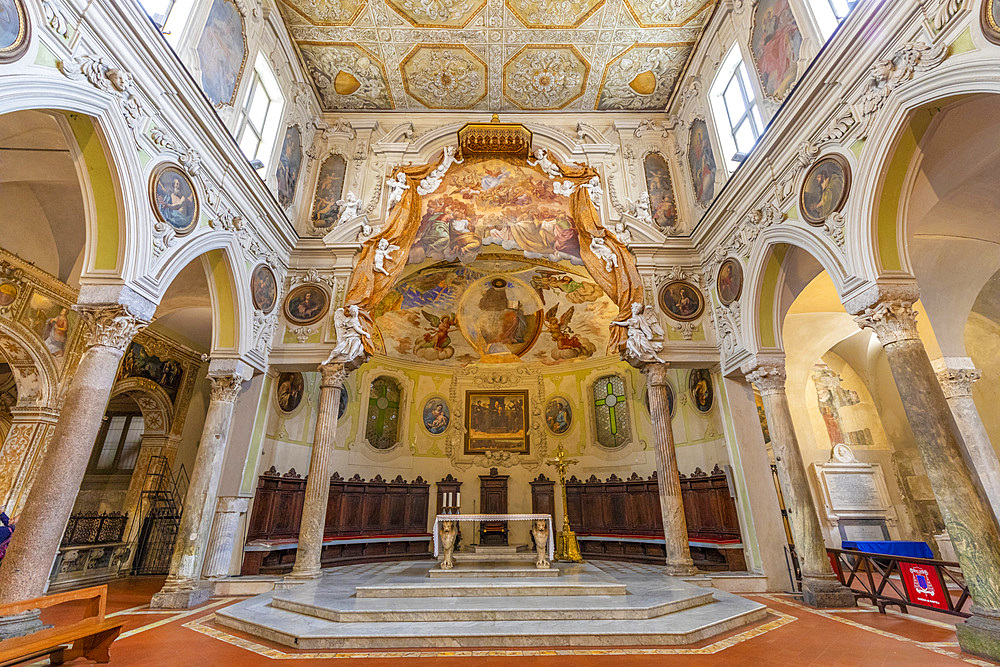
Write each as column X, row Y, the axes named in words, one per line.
column 382, row 429
column 611, row 413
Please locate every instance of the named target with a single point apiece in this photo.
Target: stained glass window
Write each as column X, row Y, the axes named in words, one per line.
column 382, row 429
column 611, row 413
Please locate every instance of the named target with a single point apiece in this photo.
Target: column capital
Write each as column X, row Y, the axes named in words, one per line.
column 768, row 377
column 111, row 326
column 226, row 388
column 956, row 376
column 656, row 373
column 333, row 374
column 892, row 320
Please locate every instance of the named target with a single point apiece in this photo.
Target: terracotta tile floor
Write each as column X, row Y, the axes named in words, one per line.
column 792, row 635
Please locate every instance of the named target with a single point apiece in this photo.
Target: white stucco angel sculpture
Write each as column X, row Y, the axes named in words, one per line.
column 397, row 186
column 640, row 209
column 349, row 206
column 350, row 332
column 622, row 232
column 600, row 248
column 433, row 179
column 383, row 251
column 543, row 162
column 564, row 188
column 642, row 329
column 596, row 191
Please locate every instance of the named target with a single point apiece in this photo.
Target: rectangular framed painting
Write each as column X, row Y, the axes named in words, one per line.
column 496, row 421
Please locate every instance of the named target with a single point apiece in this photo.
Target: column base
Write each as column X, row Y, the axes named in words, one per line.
column 182, row 594
column 302, row 577
column 980, row 633
column 19, row 625
column 826, row 593
column 684, row 568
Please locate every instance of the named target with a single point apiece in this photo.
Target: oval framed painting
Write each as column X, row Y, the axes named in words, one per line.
column 701, row 390
column 436, row 415
column 8, row 294
column 306, row 304
column 173, row 198
column 824, row 190
column 15, row 30
column 681, row 300
column 991, row 20
column 288, row 391
column 729, row 281
column 558, row 415
column 263, row 288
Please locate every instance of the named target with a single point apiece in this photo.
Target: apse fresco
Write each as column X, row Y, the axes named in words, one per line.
column 496, row 203
column 499, row 307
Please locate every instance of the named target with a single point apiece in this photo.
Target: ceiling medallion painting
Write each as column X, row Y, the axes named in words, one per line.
column 347, row 76
column 634, row 49
column 325, row 12
column 553, row 13
column 437, row 13
column 642, row 77
column 545, row 77
column 444, row 77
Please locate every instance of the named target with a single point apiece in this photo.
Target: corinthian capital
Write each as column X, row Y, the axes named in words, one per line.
column 109, row 326
column 226, row 388
column 956, row 376
column 892, row 320
column 767, row 377
column 656, row 373
column 333, row 374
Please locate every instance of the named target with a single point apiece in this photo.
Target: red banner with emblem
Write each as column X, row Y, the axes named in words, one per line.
column 923, row 585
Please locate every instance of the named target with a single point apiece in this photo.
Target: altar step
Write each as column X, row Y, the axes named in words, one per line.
column 333, row 612
column 492, row 569
column 480, row 557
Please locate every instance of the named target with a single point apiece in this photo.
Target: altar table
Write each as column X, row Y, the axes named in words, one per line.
column 495, row 517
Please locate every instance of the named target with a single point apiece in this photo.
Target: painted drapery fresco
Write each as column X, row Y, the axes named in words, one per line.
column 701, row 158
column 498, row 203
column 329, row 190
column 775, row 41
column 222, row 52
column 661, row 191
column 500, row 304
column 289, row 163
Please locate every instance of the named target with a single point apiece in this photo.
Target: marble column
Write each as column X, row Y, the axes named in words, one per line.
column 956, row 377
column 184, row 587
column 966, row 511
column 820, row 587
column 310, row 548
column 668, row 476
column 219, row 553
column 29, row 558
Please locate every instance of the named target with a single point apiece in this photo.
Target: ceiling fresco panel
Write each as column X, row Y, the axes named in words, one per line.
column 327, row 12
column 444, row 77
column 553, row 13
column 347, row 76
column 437, row 13
column 642, row 77
column 545, row 77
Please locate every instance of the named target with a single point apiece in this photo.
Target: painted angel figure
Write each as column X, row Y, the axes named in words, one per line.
column 596, row 191
column 600, row 248
column 640, row 209
column 383, row 251
column 349, row 208
column 350, row 332
column 564, row 188
column 543, row 162
column 397, row 186
column 642, row 329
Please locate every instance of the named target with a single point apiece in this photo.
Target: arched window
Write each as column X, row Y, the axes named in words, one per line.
column 735, row 109
column 829, row 14
column 382, row 429
column 611, row 413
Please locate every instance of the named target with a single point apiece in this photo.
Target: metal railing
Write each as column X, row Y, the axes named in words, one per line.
column 903, row 581
column 94, row 528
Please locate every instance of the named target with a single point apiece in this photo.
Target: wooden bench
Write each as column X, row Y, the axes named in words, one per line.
column 88, row 638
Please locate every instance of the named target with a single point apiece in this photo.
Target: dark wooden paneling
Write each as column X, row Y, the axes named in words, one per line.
column 543, row 497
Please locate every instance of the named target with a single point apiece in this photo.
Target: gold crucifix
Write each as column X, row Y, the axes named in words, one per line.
column 570, row 549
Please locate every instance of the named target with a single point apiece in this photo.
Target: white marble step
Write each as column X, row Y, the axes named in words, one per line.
column 451, row 609
column 478, row 557
column 505, row 549
column 491, row 570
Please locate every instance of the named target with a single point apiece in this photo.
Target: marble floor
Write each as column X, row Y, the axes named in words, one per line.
column 790, row 634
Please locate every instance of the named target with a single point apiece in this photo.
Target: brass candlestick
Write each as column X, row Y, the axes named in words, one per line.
column 570, row 548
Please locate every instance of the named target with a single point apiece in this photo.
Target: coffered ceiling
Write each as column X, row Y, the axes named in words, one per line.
column 496, row 55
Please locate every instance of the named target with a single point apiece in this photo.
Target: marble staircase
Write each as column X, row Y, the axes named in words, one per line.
column 398, row 605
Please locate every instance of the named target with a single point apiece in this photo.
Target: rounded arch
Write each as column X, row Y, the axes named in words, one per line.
column 108, row 167
column 785, row 259
column 157, row 410
column 228, row 285
column 876, row 213
column 34, row 370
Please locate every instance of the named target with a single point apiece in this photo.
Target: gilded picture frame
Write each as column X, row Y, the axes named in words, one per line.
column 14, row 38
column 496, row 421
column 825, row 189
column 173, row 198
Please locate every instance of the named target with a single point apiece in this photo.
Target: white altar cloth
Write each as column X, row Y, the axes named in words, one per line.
column 495, row 517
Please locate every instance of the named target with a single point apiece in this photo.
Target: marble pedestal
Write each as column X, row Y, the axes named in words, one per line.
column 185, row 598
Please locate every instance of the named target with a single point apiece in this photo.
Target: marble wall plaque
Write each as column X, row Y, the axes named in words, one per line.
column 853, row 490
